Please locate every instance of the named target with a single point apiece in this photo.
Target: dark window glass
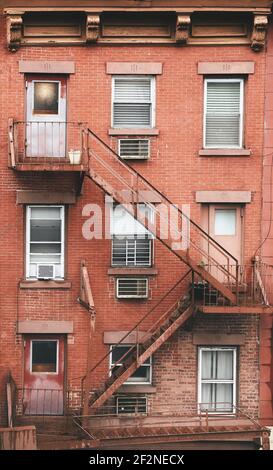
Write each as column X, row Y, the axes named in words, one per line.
column 44, row 356
column 46, row 98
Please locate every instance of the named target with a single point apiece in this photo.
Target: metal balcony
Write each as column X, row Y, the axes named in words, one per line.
column 46, row 146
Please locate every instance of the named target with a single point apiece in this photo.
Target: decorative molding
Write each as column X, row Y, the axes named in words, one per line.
column 92, row 28
column 14, row 31
column 37, row 326
column 230, row 197
column 226, row 68
column 46, row 66
column 182, row 29
column 134, row 68
column 258, row 38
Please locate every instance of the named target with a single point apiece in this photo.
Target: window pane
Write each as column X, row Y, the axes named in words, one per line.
column 224, row 365
column 45, row 230
column 127, row 90
column 225, row 222
column 223, row 114
column 45, row 248
column 224, row 397
column 217, row 397
column 46, row 98
column 44, row 356
column 217, row 365
column 118, row 352
column 45, row 212
column 142, row 374
column 132, row 115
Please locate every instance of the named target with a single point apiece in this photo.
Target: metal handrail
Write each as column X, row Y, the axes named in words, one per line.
column 160, row 193
column 135, row 327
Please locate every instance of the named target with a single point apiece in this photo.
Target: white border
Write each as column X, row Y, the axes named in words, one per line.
column 224, row 80
column 234, row 381
column 153, row 99
column 28, row 218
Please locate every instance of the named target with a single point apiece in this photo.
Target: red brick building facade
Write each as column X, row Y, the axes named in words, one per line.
column 180, row 90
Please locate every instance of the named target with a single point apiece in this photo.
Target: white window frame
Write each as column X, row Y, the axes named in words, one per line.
column 234, row 381
column 132, row 296
column 224, row 80
column 128, row 381
column 57, row 356
column 153, row 99
column 28, row 241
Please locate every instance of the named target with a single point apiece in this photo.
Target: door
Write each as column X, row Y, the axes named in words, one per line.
column 44, row 375
column 46, row 116
column 224, row 225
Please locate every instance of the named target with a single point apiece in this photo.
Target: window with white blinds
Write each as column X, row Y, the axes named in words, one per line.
column 133, row 102
column 223, row 116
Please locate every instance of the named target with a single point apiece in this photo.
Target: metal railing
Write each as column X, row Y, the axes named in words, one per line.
column 45, row 142
column 174, row 227
column 187, row 414
column 47, row 401
column 155, row 317
column 255, row 286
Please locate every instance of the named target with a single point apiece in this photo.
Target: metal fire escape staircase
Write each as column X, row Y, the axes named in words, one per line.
column 201, row 253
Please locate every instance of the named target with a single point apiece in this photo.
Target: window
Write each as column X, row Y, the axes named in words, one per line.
column 132, row 288
column 45, row 242
column 225, row 222
column 133, row 102
column 46, row 97
column 44, row 356
column 143, row 375
column 128, row 404
column 223, row 115
column 217, row 379
column 131, row 250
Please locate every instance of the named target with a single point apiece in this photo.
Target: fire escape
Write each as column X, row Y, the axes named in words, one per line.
column 212, row 280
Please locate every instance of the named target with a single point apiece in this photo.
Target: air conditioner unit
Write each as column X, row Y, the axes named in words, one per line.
column 137, row 149
column 45, row 271
column 131, row 405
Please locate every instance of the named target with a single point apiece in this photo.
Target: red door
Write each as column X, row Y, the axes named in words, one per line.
column 44, row 375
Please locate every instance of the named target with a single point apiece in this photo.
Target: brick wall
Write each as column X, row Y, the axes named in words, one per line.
column 175, row 168
column 266, row 325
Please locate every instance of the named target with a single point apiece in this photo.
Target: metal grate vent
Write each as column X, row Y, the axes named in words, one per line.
column 128, row 404
column 132, row 288
column 134, row 148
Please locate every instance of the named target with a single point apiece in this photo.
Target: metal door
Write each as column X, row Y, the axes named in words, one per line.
column 43, row 392
column 45, row 116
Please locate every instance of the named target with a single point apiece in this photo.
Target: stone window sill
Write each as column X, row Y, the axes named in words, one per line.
column 224, row 153
column 45, row 284
column 123, row 271
column 133, row 131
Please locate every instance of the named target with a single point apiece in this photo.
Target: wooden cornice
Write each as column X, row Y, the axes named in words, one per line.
column 196, row 4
